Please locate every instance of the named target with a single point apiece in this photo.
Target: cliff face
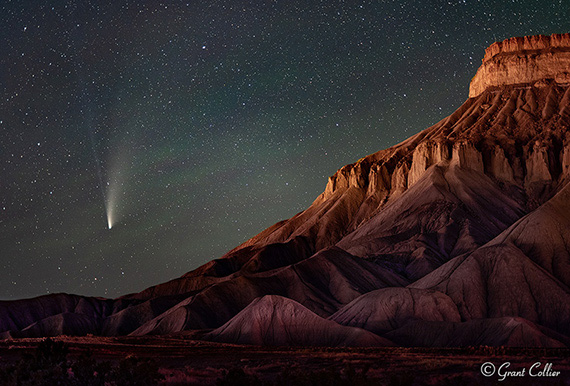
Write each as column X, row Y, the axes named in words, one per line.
column 456, row 236
column 515, row 136
column 524, row 60
column 513, row 127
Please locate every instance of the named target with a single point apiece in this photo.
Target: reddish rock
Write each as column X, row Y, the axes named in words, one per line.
column 506, row 331
column 277, row 321
column 387, row 309
column 523, row 60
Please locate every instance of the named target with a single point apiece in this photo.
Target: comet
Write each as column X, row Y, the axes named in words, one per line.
column 117, row 166
column 111, row 198
column 112, row 179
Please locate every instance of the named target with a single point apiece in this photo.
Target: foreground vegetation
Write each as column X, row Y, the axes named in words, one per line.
column 177, row 361
column 50, row 366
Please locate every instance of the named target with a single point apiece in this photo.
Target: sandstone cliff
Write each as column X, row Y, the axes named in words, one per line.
column 524, row 60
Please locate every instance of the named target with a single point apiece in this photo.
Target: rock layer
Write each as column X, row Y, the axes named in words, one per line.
column 524, row 60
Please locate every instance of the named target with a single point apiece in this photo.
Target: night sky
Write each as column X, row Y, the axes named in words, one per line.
column 198, row 124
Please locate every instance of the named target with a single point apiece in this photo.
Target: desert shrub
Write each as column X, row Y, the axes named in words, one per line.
column 133, row 371
column 405, row 379
column 50, row 352
column 348, row 376
column 460, row 380
column 487, row 350
column 50, row 366
column 89, row 372
column 238, row 377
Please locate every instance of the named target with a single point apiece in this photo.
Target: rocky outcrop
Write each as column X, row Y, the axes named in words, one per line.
column 537, row 168
column 61, row 324
column 278, row 321
column 514, row 136
column 506, row 331
column 524, row 60
column 543, row 236
column 498, row 165
column 501, row 280
column 19, row 314
column 448, row 212
column 424, row 155
column 467, row 156
column 387, row 309
column 323, row 283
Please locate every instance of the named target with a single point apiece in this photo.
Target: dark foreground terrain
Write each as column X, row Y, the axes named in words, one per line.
column 180, row 360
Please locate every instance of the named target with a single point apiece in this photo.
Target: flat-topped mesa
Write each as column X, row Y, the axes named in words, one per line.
column 524, row 60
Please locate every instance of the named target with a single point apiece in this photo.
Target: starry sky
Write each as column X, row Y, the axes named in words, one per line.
column 198, row 124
